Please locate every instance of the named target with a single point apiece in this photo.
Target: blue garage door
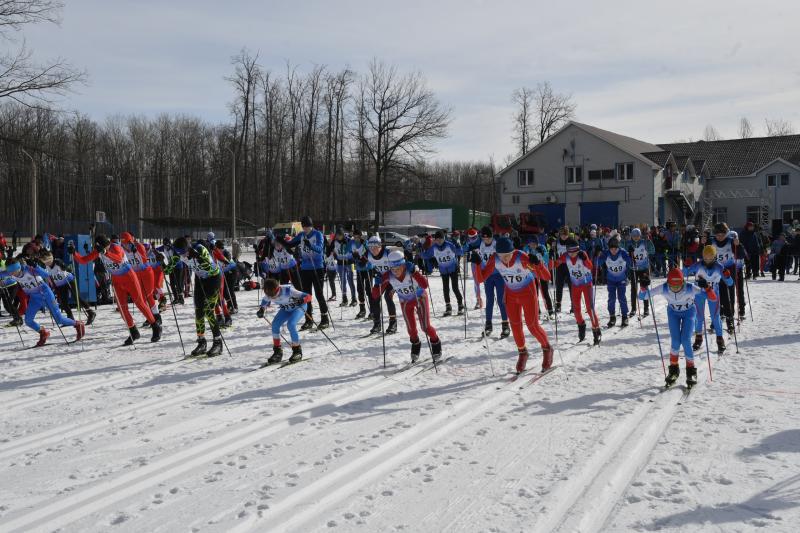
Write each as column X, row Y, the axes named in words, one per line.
column 600, row 213
column 553, row 214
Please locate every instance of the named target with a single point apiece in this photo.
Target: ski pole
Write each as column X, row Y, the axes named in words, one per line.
column 655, row 324
column 634, row 299
column 311, row 318
column 488, row 354
column 175, row 315
column 464, row 291
column 11, row 303
column 430, row 296
column 267, row 320
column 708, row 352
column 383, row 333
column 77, row 293
column 318, row 282
column 750, row 305
column 56, row 324
column 424, row 329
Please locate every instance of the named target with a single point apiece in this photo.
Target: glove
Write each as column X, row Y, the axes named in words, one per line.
column 420, row 292
column 726, row 273
column 645, row 282
column 702, row 283
column 71, row 247
column 260, row 312
column 475, row 257
column 630, row 250
column 307, row 299
column 534, row 259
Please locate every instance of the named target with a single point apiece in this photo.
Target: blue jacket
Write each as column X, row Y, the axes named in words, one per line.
column 446, row 256
column 312, row 254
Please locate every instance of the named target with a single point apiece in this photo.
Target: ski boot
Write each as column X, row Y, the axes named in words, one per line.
column 632, row 313
column 353, row 302
column 162, row 304
column 80, row 330
column 504, row 331
column 156, row 336
column 220, row 320
column 276, row 357
column 742, row 315
column 133, row 336
column 672, row 375
column 415, row 348
column 624, row 323
column 391, row 329
column 691, row 377
column 308, row 324
column 43, row 336
column 720, row 345
column 487, row 329
column 178, row 299
column 344, row 302
column 297, row 354
column 332, row 298
column 16, row 322
column 547, row 357
column 216, row 347
column 597, row 335
column 324, row 322
column 646, row 309
column 730, row 324
column 460, row 309
column 698, row 342
column 612, row 321
column 376, row 328
column 362, row 311
column 581, row 332
column 436, row 351
column 448, row 310
column 200, row 349
column 90, row 316
column 227, row 322
column 522, row 360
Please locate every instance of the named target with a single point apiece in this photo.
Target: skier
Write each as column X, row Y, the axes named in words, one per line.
column 729, row 252
column 708, row 273
column 330, row 273
column 519, row 272
column 292, row 305
column 617, row 264
column 32, row 280
column 222, row 311
column 137, row 257
column 124, row 281
column 639, row 250
column 494, row 286
column 410, row 287
column 61, row 279
column 447, row 256
column 579, row 268
column 359, row 252
column 311, row 244
column 681, row 313
column 540, row 251
column 562, row 273
column 473, row 242
column 342, row 247
column 207, row 274
column 176, row 276
column 378, row 259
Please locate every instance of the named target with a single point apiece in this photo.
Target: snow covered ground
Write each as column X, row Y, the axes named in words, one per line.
column 96, row 437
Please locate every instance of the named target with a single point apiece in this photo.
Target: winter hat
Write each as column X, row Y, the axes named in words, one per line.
column 593, row 233
column 125, row 237
column 374, row 241
column 734, row 235
column 613, row 242
column 101, row 241
column 709, row 253
column 306, row 222
column 572, row 246
column 210, row 237
column 487, row 231
column 504, row 246
column 593, row 226
column 396, row 259
column 675, row 278
column 636, row 232
column 438, row 235
column 472, row 233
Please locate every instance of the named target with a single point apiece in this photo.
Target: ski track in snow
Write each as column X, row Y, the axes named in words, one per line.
column 100, row 437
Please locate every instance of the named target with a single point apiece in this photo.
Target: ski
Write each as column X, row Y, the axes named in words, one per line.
column 514, row 378
column 407, row 366
column 537, row 376
column 431, row 365
column 284, row 364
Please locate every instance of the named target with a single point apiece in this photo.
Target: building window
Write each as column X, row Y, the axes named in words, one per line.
column 574, row 174
column 754, row 215
column 609, row 174
column 525, row 177
column 784, row 180
column 515, row 199
column 790, row 212
column 720, row 214
column 624, row 171
column 772, row 180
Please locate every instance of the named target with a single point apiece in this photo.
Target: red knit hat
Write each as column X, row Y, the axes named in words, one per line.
column 675, row 278
column 126, row 237
column 472, row 232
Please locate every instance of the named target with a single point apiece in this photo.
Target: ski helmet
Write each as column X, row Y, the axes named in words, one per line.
column 709, row 253
column 374, row 241
column 504, row 246
column 396, row 259
column 675, row 279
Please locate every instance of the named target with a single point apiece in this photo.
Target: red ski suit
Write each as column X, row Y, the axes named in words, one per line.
column 411, row 301
column 145, row 274
column 581, row 287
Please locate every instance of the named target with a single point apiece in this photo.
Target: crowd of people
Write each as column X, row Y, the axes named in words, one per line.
column 511, row 280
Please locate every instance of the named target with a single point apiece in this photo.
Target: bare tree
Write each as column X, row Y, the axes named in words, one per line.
column 552, row 110
column 21, row 78
column 745, row 128
column 778, row 127
column 522, row 98
column 711, row 134
column 402, row 117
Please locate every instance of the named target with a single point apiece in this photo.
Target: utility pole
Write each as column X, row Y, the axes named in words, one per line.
column 140, row 194
column 34, row 194
column 233, row 193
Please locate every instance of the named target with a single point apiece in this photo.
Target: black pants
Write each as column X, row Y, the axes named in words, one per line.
column 231, row 281
column 447, row 281
column 752, row 265
column 544, row 288
column 312, row 279
column 363, row 285
column 727, row 300
column 636, row 278
column 779, row 267
column 9, row 300
column 331, row 275
column 206, row 298
column 63, row 295
column 562, row 278
column 176, row 282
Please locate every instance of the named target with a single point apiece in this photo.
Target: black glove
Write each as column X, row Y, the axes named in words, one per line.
column 475, row 257
column 645, row 282
column 260, row 312
column 702, row 283
column 630, row 249
column 85, row 247
column 533, row 258
column 71, row 247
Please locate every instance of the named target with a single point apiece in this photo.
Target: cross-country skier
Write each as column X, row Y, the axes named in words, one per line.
column 519, row 272
column 330, row 273
column 494, row 286
column 729, row 253
column 124, row 281
column 540, row 251
column 640, row 250
column 709, row 273
column 311, row 244
column 292, row 305
column 410, row 287
column 32, row 280
column 681, row 313
column 222, row 311
column 61, row 279
column 617, row 264
column 562, row 273
column 139, row 261
column 363, row 283
column 579, row 268
column 473, row 242
column 378, row 258
column 447, row 257
column 342, row 247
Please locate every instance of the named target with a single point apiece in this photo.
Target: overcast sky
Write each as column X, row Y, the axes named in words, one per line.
column 658, row 71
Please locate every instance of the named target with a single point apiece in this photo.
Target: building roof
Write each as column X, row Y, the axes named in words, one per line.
column 660, row 158
column 738, row 157
column 627, row 144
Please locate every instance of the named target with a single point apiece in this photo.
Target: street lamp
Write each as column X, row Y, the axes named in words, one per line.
column 233, row 193
column 34, row 204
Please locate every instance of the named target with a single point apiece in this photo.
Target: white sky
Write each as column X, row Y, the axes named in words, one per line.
column 658, row 71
